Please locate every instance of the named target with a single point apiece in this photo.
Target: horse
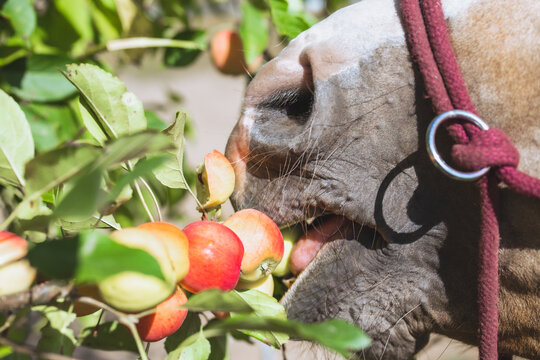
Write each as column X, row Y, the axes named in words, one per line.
column 332, row 134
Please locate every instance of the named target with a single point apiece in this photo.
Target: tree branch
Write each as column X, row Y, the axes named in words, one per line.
column 37, row 295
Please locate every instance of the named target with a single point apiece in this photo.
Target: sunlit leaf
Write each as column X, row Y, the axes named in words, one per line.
column 198, row 350
column 16, row 143
column 116, row 110
column 216, row 300
column 265, row 306
column 56, row 336
column 171, row 173
column 338, row 335
column 253, row 31
column 288, row 22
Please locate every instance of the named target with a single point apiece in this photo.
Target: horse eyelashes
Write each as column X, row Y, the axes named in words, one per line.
column 296, row 104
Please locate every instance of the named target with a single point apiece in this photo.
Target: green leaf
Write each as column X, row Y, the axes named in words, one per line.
column 190, row 326
column 288, row 22
column 154, row 121
column 77, row 14
column 134, row 146
column 219, row 346
column 21, row 15
column 111, row 336
column 253, row 31
column 171, row 173
column 116, row 110
column 338, row 335
column 95, row 222
column 90, row 257
column 55, row 167
column 142, row 168
column 198, row 350
column 82, row 201
column 50, row 124
column 38, row 79
column 100, row 257
column 106, row 20
column 184, row 57
column 216, row 300
column 265, row 306
column 16, row 143
column 56, row 336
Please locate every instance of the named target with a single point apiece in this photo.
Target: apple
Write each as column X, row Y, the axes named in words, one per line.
column 87, row 290
column 290, row 235
column 16, row 274
column 12, row 247
column 132, row 291
column 16, row 277
column 227, row 52
column 176, row 243
column 263, row 243
column 215, row 180
column 264, row 285
column 166, row 320
column 215, row 255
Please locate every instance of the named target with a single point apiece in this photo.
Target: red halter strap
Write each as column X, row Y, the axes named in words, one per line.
column 431, row 49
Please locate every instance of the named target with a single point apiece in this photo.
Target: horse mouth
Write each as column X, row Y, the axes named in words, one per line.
column 321, row 228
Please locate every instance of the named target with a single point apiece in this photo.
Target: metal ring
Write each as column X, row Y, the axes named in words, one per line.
column 436, row 157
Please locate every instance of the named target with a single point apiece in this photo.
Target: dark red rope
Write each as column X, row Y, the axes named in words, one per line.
column 430, row 46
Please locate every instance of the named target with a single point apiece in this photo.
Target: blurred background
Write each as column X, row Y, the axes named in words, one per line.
column 159, row 49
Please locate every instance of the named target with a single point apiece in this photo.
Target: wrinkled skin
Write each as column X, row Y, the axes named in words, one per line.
column 336, row 122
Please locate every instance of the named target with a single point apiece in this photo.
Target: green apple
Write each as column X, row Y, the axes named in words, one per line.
column 132, row 291
column 290, row 235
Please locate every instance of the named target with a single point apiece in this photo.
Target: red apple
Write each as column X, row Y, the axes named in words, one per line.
column 227, row 52
column 133, row 291
column 16, row 274
column 176, row 243
column 263, row 243
column 215, row 255
column 12, row 247
column 215, row 180
column 166, row 320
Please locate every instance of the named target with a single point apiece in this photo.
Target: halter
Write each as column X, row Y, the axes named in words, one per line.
column 488, row 153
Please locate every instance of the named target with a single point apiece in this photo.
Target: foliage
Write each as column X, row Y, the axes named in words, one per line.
column 78, row 154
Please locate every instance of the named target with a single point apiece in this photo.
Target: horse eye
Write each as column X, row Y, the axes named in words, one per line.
column 297, row 104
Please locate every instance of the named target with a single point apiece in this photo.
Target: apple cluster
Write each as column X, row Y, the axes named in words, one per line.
column 240, row 253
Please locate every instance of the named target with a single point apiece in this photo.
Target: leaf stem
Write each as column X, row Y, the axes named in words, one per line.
column 153, row 196
column 141, row 197
column 141, row 42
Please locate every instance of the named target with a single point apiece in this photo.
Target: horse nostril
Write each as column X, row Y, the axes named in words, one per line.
column 295, row 104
